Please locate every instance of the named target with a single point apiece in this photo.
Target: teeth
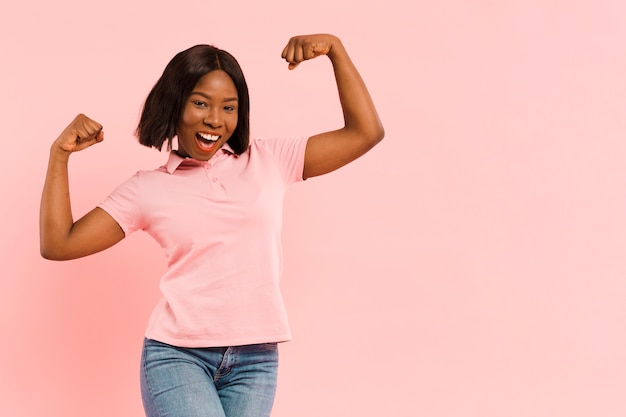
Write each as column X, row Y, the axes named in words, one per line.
column 208, row 137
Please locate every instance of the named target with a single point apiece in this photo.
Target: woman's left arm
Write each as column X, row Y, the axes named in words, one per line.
column 362, row 129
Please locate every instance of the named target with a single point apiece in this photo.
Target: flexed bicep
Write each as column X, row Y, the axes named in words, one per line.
column 60, row 237
column 362, row 128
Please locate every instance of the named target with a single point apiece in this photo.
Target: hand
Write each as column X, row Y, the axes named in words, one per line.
column 301, row 48
column 81, row 133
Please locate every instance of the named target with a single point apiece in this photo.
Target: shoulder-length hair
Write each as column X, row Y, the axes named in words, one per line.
column 165, row 102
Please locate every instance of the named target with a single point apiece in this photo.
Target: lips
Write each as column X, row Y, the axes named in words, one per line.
column 207, row 141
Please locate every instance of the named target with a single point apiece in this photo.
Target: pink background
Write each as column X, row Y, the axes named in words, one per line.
column 473, row 264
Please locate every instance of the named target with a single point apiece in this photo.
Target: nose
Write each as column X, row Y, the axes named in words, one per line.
column 212, row 117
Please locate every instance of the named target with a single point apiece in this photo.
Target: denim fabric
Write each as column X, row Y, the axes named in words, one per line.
column 236, row 381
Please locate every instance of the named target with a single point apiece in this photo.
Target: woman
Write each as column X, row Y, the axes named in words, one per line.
column 216, row 209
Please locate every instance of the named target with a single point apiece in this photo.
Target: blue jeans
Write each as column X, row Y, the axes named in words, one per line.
column 236, row 381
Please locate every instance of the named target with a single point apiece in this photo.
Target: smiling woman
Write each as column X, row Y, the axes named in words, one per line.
column 216, row 208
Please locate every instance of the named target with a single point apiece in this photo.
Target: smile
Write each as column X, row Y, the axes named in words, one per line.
column 207, row 138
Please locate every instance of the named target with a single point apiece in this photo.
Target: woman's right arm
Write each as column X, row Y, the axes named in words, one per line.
column 60, row 237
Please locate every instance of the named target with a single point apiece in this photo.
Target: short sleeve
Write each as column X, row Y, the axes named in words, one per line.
column 288, row 154
column 123, row 204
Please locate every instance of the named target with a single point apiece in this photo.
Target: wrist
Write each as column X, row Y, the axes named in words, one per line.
column 58, row 153
column 336, row 49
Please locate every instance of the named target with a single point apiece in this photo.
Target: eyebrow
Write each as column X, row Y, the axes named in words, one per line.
column 209, row 97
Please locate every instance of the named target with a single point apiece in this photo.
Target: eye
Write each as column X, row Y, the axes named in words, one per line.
column 229, row 108
column 198, row 103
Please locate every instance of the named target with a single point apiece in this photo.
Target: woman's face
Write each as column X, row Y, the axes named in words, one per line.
column 209, row 116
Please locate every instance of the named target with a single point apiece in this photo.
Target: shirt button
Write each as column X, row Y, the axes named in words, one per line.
column 214, row 179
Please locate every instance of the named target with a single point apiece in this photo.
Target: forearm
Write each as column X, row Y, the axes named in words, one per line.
column 55, row 216
column 359, row 112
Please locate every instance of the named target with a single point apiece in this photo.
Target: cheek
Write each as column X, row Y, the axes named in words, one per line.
column 234, row 119
column 189, row 117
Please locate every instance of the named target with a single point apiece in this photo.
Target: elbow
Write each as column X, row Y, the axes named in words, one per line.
column 368, row 134
column 371, row 137
column 46, row 250
column 376, row 135
column 50, row 253
column 380, row 133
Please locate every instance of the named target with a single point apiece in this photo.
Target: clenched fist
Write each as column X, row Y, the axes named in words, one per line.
column 301, row 48
column 81, row 133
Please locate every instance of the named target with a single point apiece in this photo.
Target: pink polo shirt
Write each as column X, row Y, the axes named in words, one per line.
column 219, row 223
